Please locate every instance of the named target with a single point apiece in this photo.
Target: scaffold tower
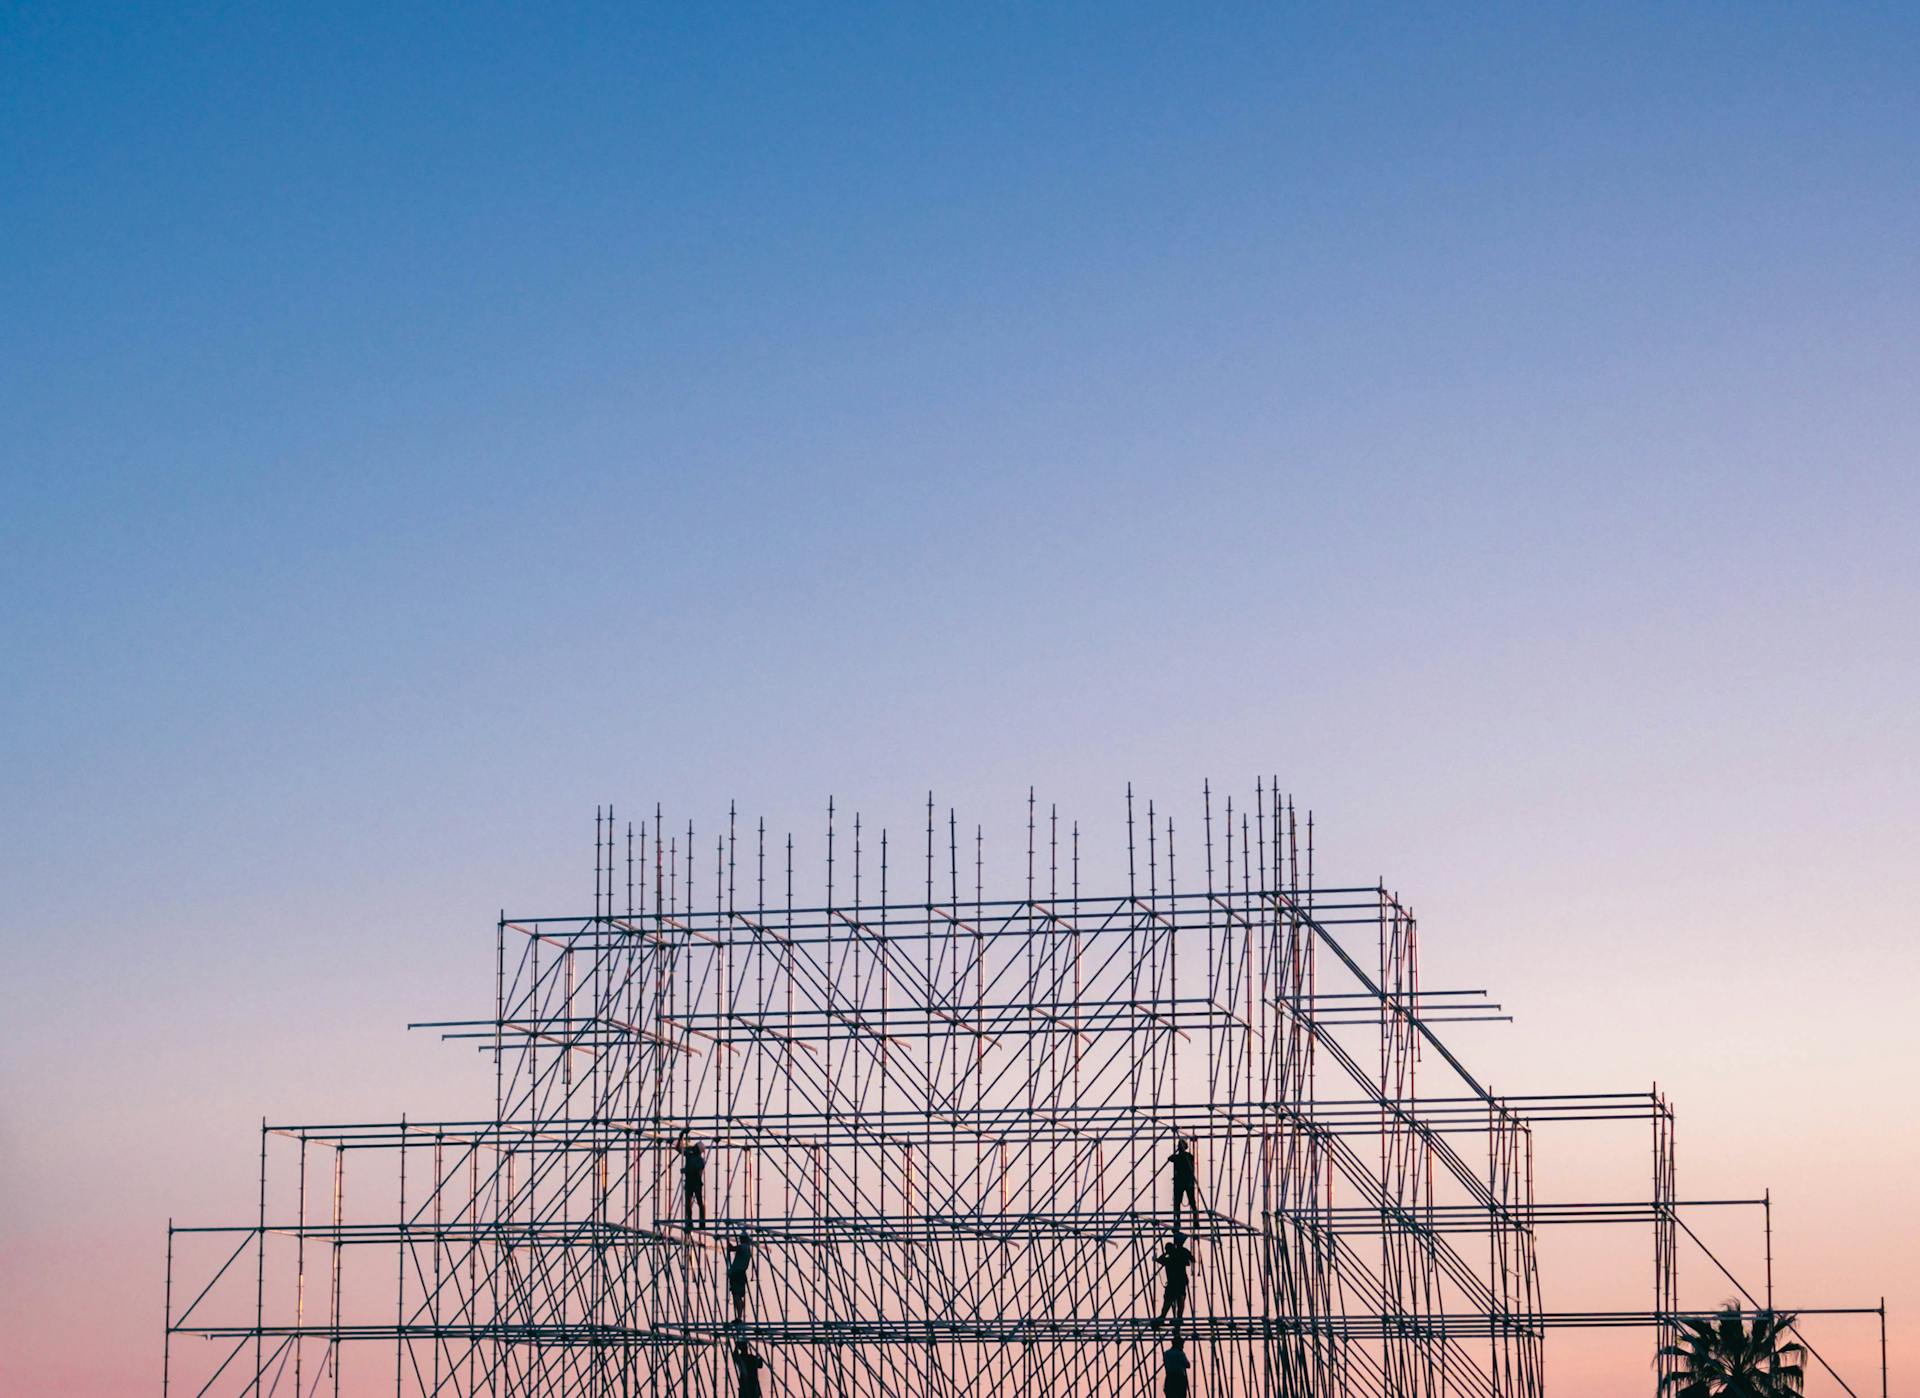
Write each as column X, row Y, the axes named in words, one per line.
column 922, row 1125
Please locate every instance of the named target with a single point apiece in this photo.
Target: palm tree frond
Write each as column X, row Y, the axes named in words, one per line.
column 1733, row 1354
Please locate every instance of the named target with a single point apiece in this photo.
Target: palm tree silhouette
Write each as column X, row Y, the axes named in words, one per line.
column 1724, row 1357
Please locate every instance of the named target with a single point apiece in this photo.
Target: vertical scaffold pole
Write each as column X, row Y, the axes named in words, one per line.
column 260, row 1271
column 1766, row 1204
column 400, row 1269
column 333, row 1303
column 300, row 1272
column 166, row 1338
column 1883, row 1347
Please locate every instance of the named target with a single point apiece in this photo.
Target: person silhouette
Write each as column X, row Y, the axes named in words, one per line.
column 1175, row 1383
column 747, row 1366
column 1176, row 1257
column 738, row 1267
column 1184, row 1177
column 693, row 1169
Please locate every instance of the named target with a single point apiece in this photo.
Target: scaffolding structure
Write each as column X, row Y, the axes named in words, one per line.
column 944, row 1122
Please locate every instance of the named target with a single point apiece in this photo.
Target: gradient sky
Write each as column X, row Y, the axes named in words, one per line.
column 418, row 427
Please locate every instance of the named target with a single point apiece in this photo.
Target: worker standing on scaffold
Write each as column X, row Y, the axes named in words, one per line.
column 1176, row 1380
column 693, row 1171
column 1176, row 1257
column 1184, row 1177
column 738, row 1266
column 747, row 1365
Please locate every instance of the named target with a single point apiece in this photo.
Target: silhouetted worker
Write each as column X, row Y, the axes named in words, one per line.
column 738, row 1266
column 1176, row 1380
column 693, row 1167
column 1184, row 1179
column 1176, row 1258
column 748, row 1365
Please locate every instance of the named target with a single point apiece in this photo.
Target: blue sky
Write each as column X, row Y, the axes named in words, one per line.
column 419, row 427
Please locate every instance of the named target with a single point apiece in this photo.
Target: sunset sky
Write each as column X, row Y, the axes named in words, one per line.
column 419, row 428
